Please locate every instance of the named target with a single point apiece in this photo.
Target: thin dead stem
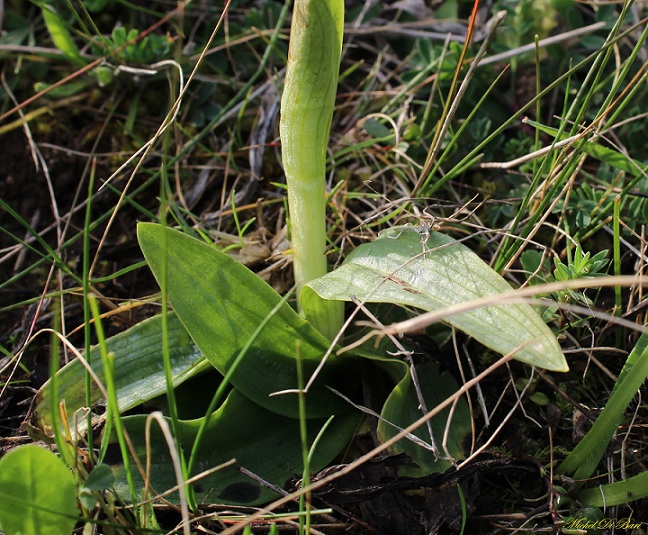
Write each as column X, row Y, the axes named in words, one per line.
column 522, row 295
column 175, row 460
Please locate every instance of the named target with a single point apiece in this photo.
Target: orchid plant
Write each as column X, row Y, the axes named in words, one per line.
column 234, row 335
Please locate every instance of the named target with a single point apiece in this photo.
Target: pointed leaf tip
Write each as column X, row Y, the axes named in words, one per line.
column 394, row 269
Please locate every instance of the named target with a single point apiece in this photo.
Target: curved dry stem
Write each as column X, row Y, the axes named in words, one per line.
column 177, row 465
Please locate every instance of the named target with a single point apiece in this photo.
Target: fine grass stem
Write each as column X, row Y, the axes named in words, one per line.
column 86, row 306
column 112, row 405
column 573, row 116
column 166, row 350
column 617, row 258
column 304, row 499
column 464, row 511
column 178, row 466
column 538, row 110
column 453, row 100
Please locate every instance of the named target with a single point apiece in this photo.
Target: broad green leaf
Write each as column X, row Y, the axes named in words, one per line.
column 265, row 443
column 393, row 269
column 610, row 156
column 139, row 369
column 37, row 493
column 221, row 304
column 584, row 458
column 102, row 477
column 403, row 408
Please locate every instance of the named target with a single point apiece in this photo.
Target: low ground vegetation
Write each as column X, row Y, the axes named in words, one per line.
column 148, row 301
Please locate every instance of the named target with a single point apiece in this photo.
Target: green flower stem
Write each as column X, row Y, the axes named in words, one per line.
column 306, row 113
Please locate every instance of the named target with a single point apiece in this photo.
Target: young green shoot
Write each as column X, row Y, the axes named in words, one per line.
column 306, row 113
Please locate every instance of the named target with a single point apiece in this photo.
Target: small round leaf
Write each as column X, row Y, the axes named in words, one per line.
column 37, row 493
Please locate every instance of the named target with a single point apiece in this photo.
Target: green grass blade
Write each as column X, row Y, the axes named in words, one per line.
column 619, row 493
column 60, row 35
column 610, row 156
column 584, row 458
column 112, row 405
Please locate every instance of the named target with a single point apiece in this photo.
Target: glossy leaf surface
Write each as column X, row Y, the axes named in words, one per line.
column 222, row 303
column 395, row 269
column 261, row 441
column 139, row 369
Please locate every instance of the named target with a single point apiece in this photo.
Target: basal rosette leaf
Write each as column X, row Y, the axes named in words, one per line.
column 395, row 269
column 265, row 443
column 403, row 407
column 221, row 303
column 138, row 370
